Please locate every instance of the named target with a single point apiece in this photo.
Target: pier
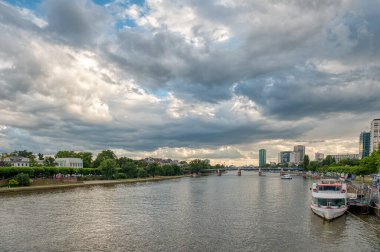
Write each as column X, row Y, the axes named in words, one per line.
column 363, row 199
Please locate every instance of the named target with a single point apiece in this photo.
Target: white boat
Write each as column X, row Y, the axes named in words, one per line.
column 286, row 176
column 329, row 198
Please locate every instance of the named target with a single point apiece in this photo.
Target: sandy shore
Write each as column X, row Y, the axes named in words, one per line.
column 83, row 184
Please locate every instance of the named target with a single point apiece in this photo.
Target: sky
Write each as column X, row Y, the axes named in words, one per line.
column 185, row 79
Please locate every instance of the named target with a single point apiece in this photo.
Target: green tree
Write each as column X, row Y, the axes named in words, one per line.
column 40, row 156
column 108, row 168
column 197, row 165
column 13, row 183
column 128, row 166
column 23, row 179
column 328, row 160
column 141, row 173
column 306, row 161
column 153, row 169
column 23, row 153
column 313, row 165
column 104, row 155
column 50, row 161
column 65, row 154
column 87, row 159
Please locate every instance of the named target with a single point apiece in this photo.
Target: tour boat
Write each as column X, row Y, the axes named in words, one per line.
column 329, row 198
column 286, row 176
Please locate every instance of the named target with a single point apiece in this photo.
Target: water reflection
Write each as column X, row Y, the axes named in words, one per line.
column 227, row 213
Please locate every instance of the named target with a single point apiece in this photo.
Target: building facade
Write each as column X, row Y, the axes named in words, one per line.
column 339, row 157
column 299, row 151
column 17, row 161
column 364, row 144
column 286, row 157
column 375, row 135
column 69, row 162
column 319, row 156
column 262, row 157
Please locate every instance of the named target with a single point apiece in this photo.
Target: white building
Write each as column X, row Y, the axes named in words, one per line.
column 319, row 156
column 17, row 161
column 69, row 162
column 339, row 157
column 375, row 135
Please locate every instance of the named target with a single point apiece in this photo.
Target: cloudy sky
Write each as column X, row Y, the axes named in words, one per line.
column 188, row 79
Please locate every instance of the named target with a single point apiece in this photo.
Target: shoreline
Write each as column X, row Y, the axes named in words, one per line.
column 84, row 184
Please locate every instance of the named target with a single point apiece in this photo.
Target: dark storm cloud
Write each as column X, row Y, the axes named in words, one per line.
column 78, row 82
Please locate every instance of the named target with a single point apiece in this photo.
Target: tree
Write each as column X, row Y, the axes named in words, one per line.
column 128, row 166
column 313, row 165
column 23, row 153
column 40, row 156
column 108, row 168
column 87, row 159
column 197, row 165
column 65, row 154
column 306, row 161
column 153, row 169
column 328, row 160
column 104, row 155
column 50, row 162
column 23, row 179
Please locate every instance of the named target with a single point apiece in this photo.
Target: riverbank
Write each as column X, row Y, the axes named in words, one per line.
column 84, row 184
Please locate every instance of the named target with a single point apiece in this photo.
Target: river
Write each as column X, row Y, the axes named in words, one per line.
column 227, row 213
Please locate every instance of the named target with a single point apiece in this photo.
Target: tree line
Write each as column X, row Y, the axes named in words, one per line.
column 365, row 166
column 106, row 164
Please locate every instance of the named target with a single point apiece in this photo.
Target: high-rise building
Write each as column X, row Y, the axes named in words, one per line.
column 364, row 144
column 299, row 151
column 262, row 157
column 319, row 156
column 375, row 135
column 286, row 157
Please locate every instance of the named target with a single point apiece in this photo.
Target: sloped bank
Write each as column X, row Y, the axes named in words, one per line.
column 83, row 184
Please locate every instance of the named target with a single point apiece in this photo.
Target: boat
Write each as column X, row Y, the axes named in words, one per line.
column 286, row 176
column 218, row 173
column 329, row 198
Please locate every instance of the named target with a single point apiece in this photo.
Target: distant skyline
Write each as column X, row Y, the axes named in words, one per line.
column 188, row 79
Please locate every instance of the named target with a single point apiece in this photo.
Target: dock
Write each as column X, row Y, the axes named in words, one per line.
column 363, row 199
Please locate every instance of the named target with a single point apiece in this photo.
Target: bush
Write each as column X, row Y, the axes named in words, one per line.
column 23, row 179
column 13, row 183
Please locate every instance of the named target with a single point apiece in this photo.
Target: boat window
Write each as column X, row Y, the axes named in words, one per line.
column 329, row 188
column 331, row 202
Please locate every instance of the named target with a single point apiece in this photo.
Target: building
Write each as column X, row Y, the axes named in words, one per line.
column 319, row 157
column 161, row 161
column 286, row 157
column 17, row 161
column 375, row 135
column 364, row 144
column 262, row 157
column 339, row 157
column 69, row 162
column 299, row 151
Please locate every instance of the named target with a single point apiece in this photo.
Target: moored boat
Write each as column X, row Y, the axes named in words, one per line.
column 329, row 198
column 286, row 176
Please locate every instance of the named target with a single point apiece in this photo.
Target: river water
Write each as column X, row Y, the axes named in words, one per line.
column 227, row 213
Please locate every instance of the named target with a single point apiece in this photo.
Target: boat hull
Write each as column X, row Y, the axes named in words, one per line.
column 328, row 213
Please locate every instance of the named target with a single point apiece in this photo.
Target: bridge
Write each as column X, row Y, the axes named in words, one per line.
column 285, row 169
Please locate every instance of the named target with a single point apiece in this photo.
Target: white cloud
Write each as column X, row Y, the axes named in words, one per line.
column 217, row 80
